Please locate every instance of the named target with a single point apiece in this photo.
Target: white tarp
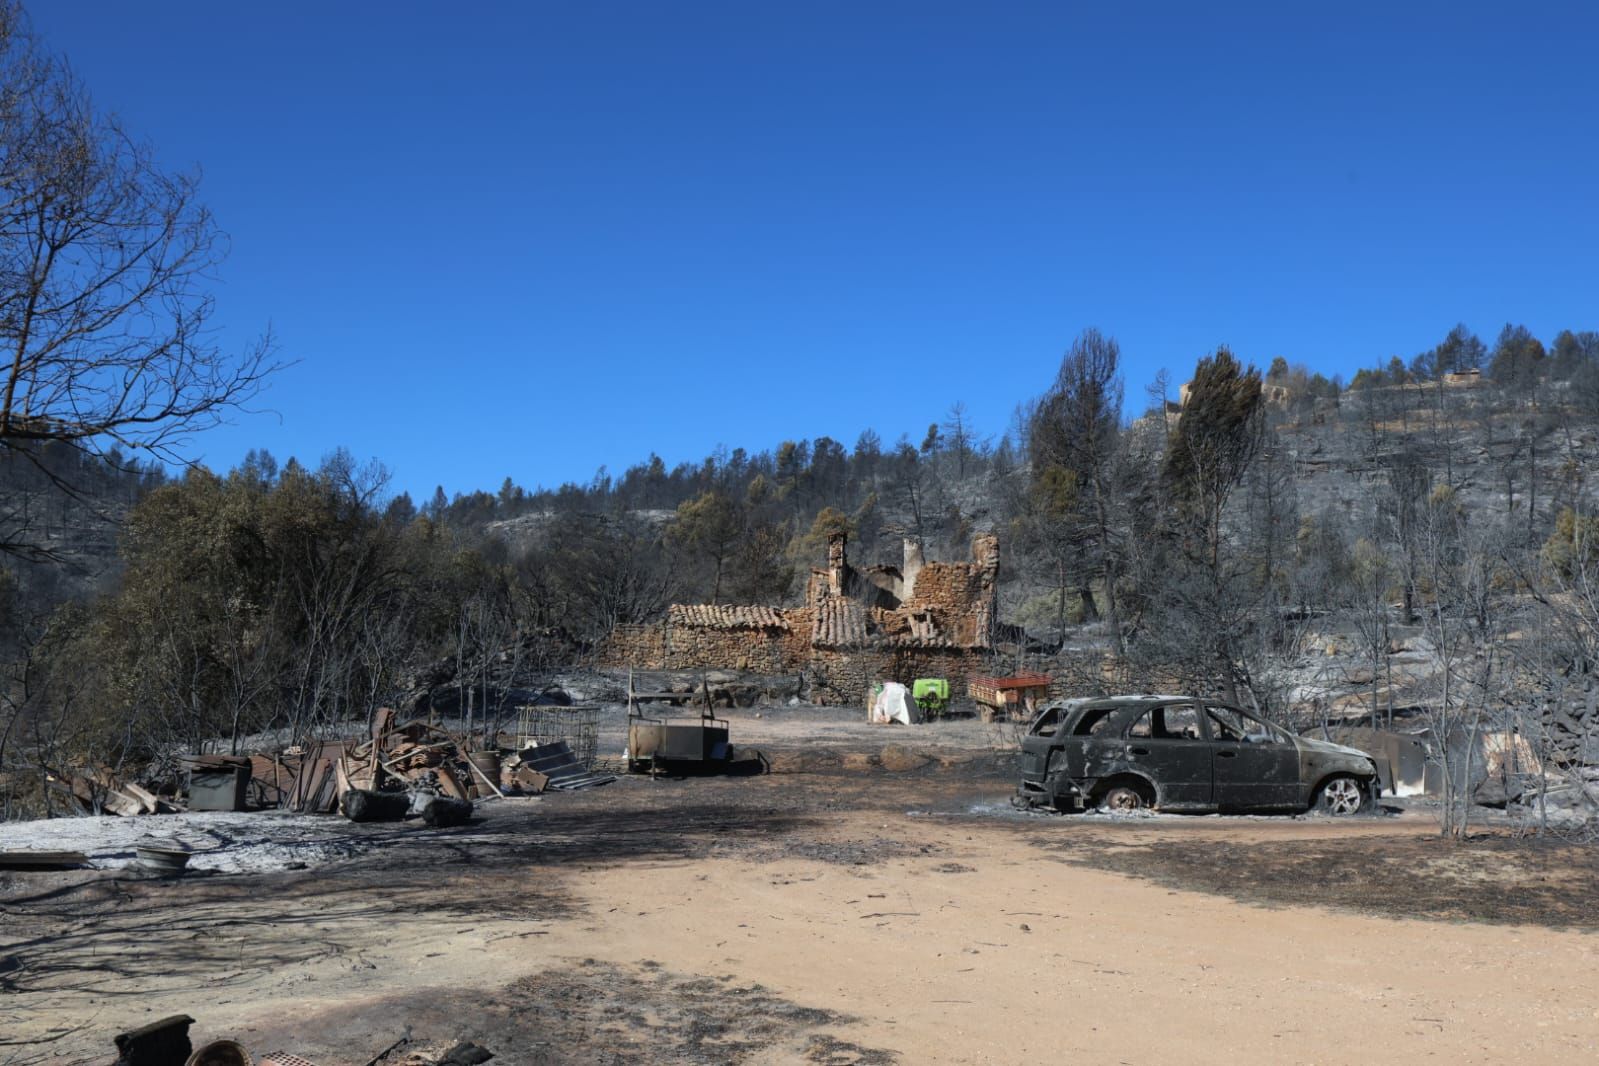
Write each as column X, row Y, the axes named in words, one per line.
column 894, row 704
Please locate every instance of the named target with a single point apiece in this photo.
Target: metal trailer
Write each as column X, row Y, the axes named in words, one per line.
column 659, row 742
column 1001, row 698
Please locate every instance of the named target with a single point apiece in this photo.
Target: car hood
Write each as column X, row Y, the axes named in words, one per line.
column 1330, row 748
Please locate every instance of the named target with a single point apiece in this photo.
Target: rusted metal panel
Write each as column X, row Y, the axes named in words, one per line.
column 685, row 740
column 315, row 786
column 560, row 766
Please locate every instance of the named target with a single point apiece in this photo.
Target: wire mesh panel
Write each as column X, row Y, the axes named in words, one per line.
column 578, row 726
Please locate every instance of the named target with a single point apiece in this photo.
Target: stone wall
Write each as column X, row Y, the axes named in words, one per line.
column 759, row 651
column 961, row 596
column 642, row 647
column 663, row 646
column 951, row 588
column 838, row 676
column 797, row 641
column 845, row 677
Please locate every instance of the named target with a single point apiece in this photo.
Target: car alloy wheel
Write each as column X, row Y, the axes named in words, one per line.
column 1342, row 795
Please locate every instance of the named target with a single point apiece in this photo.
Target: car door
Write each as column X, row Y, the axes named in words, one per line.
column 1256, row 764
column 1041, row 745
column 1168, row 744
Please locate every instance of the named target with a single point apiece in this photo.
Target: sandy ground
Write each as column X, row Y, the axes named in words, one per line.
column 865, row 917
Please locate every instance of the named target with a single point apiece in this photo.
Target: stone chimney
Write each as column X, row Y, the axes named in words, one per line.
column 837, row 561
column 914, row 561
column 985, row 553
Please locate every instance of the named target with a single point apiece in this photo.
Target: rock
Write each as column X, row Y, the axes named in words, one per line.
column 802, row 762
column 1565, row 805
column 363, row 805
column 161, row 1043
column 901, row 760
column 466, row 1053
column 1493, row 792
column 442, row 811
column 1416, row 645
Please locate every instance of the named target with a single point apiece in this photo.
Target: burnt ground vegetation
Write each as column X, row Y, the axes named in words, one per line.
column 1485, row 878
column 599, row 1014
column 231, row 938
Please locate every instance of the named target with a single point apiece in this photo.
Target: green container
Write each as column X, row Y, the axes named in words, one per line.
column 930, row 693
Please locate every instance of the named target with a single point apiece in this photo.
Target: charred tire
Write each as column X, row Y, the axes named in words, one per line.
column 1343, row 795
column 1123, row 798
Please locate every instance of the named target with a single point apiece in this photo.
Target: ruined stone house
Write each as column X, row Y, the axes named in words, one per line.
column 857, row 626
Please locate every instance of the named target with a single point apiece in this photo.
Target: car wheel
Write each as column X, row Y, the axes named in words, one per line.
column 1342, row 795
column 1122, row 798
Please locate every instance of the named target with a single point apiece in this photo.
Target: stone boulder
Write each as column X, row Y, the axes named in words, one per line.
column 901, row 760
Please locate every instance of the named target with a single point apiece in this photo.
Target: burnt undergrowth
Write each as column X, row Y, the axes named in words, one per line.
column 1485, row 879
column 597, row 1014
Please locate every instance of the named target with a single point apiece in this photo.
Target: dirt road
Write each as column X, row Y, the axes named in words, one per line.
column 836, row 918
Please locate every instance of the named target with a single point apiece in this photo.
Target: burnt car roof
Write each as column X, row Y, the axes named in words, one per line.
column 1141, row 700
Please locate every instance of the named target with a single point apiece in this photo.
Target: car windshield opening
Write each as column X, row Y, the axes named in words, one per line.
column 1228, row 724
column 1178, row 721
column 1047, row 723
column 1093, row 721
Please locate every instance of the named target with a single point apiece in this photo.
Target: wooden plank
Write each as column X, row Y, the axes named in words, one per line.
column 41, row 860
column 484, row 778
column 121, row 804
column 151, row 803
column 528, row 779
column 327, row 798
column 449, row 782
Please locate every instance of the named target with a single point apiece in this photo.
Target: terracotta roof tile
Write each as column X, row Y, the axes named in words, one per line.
column 838, row 624
column 725, row 616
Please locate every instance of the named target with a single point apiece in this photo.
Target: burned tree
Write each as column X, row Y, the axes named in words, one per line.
column 1074, row 436
column 105, row 336
column 1211, row 599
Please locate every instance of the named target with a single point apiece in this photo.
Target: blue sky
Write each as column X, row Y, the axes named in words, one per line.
column 532, row 239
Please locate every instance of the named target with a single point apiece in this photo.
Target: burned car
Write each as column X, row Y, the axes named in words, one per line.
column 1179, row 753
